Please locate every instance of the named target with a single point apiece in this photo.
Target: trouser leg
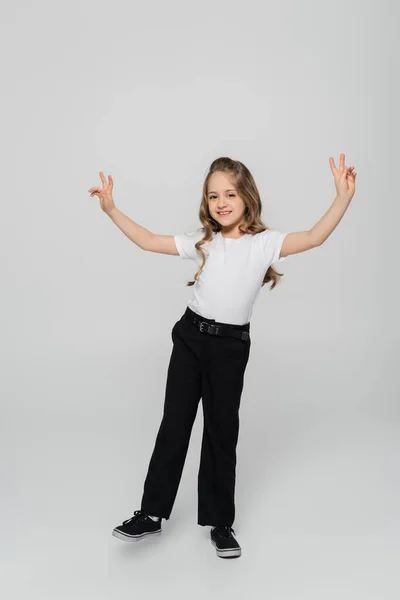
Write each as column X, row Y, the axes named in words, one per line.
column 223, row 382
column 183, row 392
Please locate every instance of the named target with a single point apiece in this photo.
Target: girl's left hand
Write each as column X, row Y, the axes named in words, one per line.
column 345, row 178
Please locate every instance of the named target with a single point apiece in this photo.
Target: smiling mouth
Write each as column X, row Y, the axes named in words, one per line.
column 224, row 214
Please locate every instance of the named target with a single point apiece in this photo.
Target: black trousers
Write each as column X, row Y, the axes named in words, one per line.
column 210, row 367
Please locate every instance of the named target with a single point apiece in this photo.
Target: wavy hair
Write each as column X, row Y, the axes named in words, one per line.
column 250, row 195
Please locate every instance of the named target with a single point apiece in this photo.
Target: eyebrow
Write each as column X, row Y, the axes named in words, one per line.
column 230, row 190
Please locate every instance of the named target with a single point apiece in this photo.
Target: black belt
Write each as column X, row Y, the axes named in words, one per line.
column 206, row 327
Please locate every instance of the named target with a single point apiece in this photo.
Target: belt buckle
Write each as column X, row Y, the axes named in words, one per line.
column 201, row 326
column 211, row 329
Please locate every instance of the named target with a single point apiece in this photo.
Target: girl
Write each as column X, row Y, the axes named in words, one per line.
column 234, row 253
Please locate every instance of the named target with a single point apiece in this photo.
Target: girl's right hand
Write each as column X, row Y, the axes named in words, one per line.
column 104, row 193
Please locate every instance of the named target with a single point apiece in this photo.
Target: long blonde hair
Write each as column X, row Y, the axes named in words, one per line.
column 248, row 191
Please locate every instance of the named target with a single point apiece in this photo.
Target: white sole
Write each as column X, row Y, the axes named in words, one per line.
column 134, row 538
column 228, row 552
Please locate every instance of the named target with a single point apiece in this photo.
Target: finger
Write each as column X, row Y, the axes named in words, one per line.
column 110, row 181
column 333, row 166
column 342, row 161
column 103, row 179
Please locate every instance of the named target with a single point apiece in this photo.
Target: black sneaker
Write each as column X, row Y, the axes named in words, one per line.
column 224, row 542
column 137, row 527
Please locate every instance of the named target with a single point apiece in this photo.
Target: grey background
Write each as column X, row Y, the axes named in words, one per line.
column 152, row 94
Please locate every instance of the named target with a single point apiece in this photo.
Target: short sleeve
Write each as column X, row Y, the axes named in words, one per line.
column 271, row 244
column 185, row 242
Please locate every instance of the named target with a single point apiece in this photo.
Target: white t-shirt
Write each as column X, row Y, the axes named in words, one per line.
column 233, row 273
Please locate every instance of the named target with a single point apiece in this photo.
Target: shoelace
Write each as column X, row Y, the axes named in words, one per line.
column 138, row 514
column 224, row 530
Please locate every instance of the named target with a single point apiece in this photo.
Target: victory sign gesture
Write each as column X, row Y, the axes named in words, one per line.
column 345, row 178
column 104, row 193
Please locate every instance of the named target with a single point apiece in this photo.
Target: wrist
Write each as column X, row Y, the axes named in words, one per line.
column 112, row 212
column 343, row 198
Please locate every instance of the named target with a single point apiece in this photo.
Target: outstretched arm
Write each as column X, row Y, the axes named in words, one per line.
column 299, row 241
column 135, row 232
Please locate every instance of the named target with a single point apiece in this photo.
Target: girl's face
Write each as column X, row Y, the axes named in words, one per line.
column 223, row 198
